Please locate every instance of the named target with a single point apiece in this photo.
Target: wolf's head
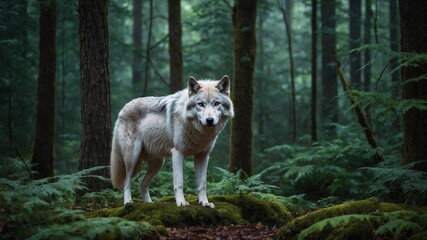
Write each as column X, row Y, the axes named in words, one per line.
column 209, row 101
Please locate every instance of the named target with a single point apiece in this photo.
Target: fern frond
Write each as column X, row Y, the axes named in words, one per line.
column 397, row 227
column 334, row 222
column 94, row 228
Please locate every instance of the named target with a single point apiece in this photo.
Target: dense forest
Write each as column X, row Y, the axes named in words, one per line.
column 328, row 140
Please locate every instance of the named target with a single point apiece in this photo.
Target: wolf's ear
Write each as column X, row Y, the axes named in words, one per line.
column 193, row 86
column 224, row 85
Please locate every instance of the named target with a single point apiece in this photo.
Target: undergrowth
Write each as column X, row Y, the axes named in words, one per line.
column 45, row 209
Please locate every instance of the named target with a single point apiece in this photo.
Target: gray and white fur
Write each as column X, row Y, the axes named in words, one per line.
column 181, row 124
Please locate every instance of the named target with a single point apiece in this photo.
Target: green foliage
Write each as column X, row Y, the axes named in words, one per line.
column 333, row 222
column 232, row 183
column 15, row 168
column 95, row 228
column 367, row 219
column 401, row 183
column 324, row 169
column 41, row 209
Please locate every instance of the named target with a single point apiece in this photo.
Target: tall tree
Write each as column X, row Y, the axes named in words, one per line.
column 394, row 46
column 313, row 70
column 137, row 48
column 367, row 40
column 148, row 48
column 244, row 41
column 329, row 107
column 95, row 143
column 367, row 55
column 175, row 46
column 355, row 13
column 413, row 25
column 291, row 67
column 43, row 153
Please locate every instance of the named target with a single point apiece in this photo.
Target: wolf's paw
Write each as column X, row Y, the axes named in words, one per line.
column 182, row 204
column 128, row 202
column 207, row 204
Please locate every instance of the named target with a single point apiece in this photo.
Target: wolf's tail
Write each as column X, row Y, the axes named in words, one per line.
column 117, row 165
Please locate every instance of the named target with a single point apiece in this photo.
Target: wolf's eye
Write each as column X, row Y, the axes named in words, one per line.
column 201, row 104
column 217, row 103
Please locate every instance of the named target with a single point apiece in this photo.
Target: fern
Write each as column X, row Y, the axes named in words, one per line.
column 401, row 183
column 397, row 227
column 28, row 204
column 94, row 228
column 231, row 183
column 334, row 222
column 326, row 168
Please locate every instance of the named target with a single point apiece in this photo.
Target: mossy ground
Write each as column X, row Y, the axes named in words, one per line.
column 363, row 218
column 235, row 209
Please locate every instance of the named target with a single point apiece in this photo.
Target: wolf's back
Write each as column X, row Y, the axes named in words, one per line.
column 117, row 165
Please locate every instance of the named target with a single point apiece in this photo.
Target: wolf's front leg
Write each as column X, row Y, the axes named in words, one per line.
column 178, row 178
column 201, row 165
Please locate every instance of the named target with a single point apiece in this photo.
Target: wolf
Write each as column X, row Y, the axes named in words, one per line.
column 186, row 123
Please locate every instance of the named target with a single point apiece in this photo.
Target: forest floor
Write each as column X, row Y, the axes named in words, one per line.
column 252, row 231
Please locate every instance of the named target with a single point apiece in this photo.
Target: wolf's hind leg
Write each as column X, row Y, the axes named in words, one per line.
column 201, row 166
column 132, row 162
column 154, row 166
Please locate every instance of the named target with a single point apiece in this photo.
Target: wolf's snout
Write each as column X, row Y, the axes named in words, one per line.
column 209, row 121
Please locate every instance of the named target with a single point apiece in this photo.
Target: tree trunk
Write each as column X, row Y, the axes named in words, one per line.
column 367, row 55
column 291, row 63
column 394, row 46
column 367, row 40
column 313, row 71
column 413, row 25
column 355, row 13
column 175, row 46
column 244, row 18
column 95, row 142
column 148, row 49
column 259, row 85
column 137, row 48
column 43, row 153
column 329, row 105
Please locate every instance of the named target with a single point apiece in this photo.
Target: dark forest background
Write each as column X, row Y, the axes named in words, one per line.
column 207, row 54
column 336, row 91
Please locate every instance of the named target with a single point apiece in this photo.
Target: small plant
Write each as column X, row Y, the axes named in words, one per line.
column 400, row 183
column 232, row 183
column 43, row 209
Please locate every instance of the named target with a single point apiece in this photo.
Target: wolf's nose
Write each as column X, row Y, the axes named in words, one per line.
column 209, row 120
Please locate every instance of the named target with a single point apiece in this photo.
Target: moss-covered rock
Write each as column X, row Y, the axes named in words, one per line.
column 351, row 220
column 236, row 209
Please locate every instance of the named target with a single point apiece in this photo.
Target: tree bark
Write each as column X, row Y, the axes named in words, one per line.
column 367, row 55
column 137, row 48
column 413, row 25
column 95, row 142
column 355, row 13
column 43, row 152
column 394, row 46
column 329, row 106
column 175, row 46
column 291, row 66
column 244, row 39
column 313, row 71
column 148, row 49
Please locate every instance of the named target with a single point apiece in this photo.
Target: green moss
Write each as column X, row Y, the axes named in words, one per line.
column 354, row 230
column 295, row 226
column 351, row 220
column 258, row 210
column 236, row 209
